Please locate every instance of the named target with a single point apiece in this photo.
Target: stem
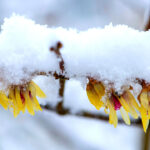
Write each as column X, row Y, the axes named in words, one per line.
column 59, row 107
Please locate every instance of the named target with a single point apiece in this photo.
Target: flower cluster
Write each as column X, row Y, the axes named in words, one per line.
column 21, row 98
column 126, row 103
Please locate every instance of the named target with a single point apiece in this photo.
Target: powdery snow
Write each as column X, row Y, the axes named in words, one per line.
column 117, row 54
column 24, row 49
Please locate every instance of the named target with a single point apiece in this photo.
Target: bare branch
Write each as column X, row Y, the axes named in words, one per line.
column 64, row 111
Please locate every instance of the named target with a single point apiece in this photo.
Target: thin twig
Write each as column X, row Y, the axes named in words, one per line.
column 56, row 50
column 85, row 114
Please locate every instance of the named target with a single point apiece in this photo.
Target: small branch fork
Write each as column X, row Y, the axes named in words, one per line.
column 56, row 50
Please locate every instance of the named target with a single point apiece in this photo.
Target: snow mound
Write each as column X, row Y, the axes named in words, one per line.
column 114, row 54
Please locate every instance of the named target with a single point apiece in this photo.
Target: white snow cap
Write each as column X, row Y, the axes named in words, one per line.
column 117, row 54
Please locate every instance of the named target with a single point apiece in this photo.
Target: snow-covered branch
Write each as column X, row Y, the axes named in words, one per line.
column 115, row 54
column 114, row 61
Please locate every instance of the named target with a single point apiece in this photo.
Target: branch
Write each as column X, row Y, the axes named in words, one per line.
column 94, row 53
column 64, row 111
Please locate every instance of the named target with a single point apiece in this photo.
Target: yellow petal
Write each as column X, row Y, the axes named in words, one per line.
column 16, row 110
column 32, row 90
column 4, row 101
column 39, row 92
column 93, row 97
column 105, row 110
column 36, row 104
column 133, row 101
column 28, row 103
column 144, row 99
column 18, row 98
column 145, row 118
column 112, row 114
column 125, row 116
column 131, row 104
column 99, row 88
column 124, row 103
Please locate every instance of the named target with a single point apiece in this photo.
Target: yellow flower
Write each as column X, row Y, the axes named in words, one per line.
column 24, row 97
column 125, row 103
column 144, row 99
column 113, row 119
column 114, row 105
column 95, row 91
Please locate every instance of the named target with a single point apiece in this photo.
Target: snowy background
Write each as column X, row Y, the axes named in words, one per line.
column 47, row 130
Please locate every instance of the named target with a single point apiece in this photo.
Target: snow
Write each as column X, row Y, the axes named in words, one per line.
column 24, row 49
column 50, row 86
column 114, row 54
column 50, row 131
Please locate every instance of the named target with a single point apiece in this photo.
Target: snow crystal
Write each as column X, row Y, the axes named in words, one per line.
column 117, row 54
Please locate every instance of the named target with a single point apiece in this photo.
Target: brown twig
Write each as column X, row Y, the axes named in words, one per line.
column 56, row 50
column 85, row 114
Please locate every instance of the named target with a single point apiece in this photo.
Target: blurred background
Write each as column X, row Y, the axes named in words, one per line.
column 47, row 130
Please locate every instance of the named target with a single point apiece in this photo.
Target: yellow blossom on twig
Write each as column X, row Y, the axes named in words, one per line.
column 124, row 102
column 24, row 97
